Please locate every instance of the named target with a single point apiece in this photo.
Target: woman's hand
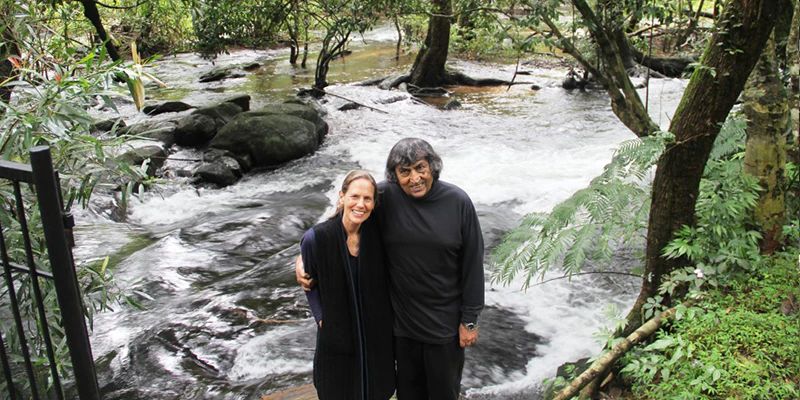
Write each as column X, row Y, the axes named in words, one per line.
column 301, row 276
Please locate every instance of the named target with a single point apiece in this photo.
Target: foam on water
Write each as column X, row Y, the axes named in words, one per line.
column 520, row 149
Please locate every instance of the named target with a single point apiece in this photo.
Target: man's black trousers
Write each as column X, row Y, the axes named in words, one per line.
column 428, row 371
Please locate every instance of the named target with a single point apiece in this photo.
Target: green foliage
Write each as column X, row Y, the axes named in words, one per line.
column 219, row 24
column 735, row 344
column 588, row 225
column 613, row 211
column 53, row 89
column 338, row 20
column 159, row 26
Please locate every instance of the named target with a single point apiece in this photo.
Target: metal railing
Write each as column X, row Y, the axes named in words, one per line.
column 56, row 226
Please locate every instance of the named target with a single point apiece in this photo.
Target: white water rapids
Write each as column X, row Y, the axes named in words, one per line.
column 214, row 260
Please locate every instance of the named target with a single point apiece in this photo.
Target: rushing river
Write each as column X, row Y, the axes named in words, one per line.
column 223, row 317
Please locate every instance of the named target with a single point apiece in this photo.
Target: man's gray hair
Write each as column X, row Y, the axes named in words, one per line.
column 408, row 151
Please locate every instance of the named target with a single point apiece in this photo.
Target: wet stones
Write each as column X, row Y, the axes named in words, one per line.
column 161, row 130
column 199, row 127
column 266, row 138
column 136, row 157
column 219, row 168
column 166, row 107
column 233, row 140
column 220, row 73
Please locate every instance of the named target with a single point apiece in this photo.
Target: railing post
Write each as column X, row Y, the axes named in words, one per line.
column 66, row 281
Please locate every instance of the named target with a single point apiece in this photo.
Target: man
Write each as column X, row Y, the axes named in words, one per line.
column 434, row 251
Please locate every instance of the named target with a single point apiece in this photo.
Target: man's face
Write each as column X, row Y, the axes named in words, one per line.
column 415, row 179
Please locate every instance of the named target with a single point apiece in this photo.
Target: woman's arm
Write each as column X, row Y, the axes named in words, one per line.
column 306, row 262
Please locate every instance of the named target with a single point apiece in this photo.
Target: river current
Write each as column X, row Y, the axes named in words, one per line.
column 223, row 317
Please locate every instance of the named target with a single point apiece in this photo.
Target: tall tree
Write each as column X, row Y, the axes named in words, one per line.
column 767, row 109
column 429, row 66
column 793, row 66
column 732, row 52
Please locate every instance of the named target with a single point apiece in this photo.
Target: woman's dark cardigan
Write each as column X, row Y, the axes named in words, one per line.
column 354, row 341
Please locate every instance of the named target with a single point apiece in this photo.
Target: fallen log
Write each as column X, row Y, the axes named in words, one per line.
column 602, row 363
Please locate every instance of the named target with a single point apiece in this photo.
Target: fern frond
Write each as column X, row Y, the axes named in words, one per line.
column 731, row 138
column 589, row 223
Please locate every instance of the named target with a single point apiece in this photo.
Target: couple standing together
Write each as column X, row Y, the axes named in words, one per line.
column 396, row 282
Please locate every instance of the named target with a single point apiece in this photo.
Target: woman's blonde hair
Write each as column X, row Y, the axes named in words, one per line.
column 348, row 179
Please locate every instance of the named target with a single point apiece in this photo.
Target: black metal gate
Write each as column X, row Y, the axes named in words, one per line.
column 26, row 280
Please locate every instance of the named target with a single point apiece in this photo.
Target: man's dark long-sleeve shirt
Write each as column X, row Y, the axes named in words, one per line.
column 434, row 251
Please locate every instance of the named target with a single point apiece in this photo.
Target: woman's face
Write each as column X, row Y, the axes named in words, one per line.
column 358, row 201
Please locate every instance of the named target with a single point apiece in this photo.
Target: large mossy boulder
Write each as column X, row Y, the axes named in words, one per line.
column 263, row 139
column 197, row 128
column 304, row 111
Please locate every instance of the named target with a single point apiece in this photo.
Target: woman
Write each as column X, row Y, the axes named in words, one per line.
column 354, row 359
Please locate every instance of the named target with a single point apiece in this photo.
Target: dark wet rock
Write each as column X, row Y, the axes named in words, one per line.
column 504, row 347
column 569, row 83
column 390, row 100
column 349, row 106
column 108, row 125
column 567, row 371
column 222, row 171
column 135, row 157
column 393, row 81
column 267, row 138
column 163, row 131
column 251, row 66
column 199, row 127
column 452, row 104
column 575, row 81
column 220, row 73
column 460, row 78
column 535, row 87
column 306, row 111
column 166, row 107
column 243, row 101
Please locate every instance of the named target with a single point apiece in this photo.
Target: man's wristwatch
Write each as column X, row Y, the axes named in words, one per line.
column 471, row 326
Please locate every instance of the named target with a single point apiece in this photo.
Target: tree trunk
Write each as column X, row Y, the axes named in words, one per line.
column 793, row 66
column 428, row 70
column 399, row 36
column 782, row 30
column 731, row 54
column 293, row 29
column 767, row 109
column 93, row 15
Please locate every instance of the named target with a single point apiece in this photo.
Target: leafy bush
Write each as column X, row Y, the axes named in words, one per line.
column 52, row 93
